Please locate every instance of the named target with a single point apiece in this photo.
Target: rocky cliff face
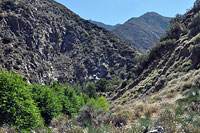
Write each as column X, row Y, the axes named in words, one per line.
column 172, row 65
column 44, row 41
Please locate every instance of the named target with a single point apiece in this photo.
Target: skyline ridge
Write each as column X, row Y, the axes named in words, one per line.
column 113, row 12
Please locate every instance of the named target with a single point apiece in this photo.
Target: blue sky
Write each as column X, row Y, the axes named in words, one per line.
column 119, row 11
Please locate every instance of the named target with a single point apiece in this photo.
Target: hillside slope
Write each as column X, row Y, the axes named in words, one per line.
column 171, row 67
column 44, row 41
column 106, row 26
column 144, row 31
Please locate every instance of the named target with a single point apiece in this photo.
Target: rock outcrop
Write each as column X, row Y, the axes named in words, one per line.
column 45, row 41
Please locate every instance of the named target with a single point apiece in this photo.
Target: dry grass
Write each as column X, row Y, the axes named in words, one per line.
column 7, row 129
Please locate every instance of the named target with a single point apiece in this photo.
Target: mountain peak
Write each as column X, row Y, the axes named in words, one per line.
column 151, row 14
column 144, row 31
column 141, row 32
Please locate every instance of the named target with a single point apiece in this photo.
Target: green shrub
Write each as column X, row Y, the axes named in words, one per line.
column 179, row 111
column 47, row 101
column 101, row 85
column 90, row 90
column 178, row 18
column 93, row 114
column 194, row 25
column 192, row 95
column 16, row 105
column 71, row 102
column 156, row 52
column 145, row 122
column 197, row 5
column 102, row 104
column 173, row 32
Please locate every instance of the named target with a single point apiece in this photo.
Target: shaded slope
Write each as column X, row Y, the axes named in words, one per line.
column 44, row 41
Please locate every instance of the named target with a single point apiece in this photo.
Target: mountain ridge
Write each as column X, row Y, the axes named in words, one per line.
column 141, row 32
column 106, row 26
column 47, row 42
column 173, row 58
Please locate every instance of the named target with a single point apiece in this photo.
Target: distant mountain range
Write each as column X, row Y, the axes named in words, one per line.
column 142, row 32
column 106, row 26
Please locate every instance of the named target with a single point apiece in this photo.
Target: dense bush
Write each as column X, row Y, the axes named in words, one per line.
column 173, row 32
column 90, row 90
column 8, row 4
column 57, row 99
column 197, row 5
column 71, row 102
column 16, row 105
column 155, row 53
column 102, row 104
column 194, row 25
column 27, row 107
column 93, row 114
column 101, row 85
column 47, row 101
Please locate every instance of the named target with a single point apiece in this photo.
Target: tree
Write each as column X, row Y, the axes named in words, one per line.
column 194, row 25
column 47, row 101
column 101, row 85
column 197, row 5
column 90, row 90
column 71, row 102
column 16, row 104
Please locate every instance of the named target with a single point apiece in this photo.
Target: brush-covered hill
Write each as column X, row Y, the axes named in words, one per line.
column 144, row 31
column 171, row 66
column 164, row 90
column 141, row 32
column 106, row 26
column 45, row 41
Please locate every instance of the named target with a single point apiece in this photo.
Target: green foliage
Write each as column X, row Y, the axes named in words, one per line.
column 47, row 100
column 156, row 52
column 78, row 88
column 104, row 85
column 90, row 90
column 27, row 107
column 177, row 18
column 101, row 85
column 56, row 99
column 71, row 102
column 194, row 25
column 145, row 122
column 179, row 111
column 173, row 32
column 16, row 105
column 192, row 95
column 102, row 104
column 93, row 114
column 197, row 5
